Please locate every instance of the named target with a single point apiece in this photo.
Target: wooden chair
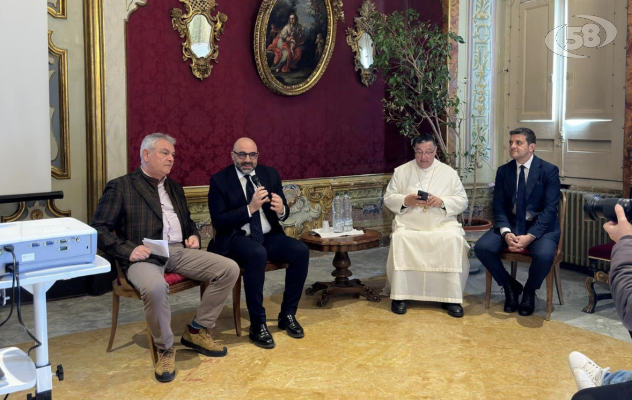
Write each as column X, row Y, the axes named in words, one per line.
column 237, row 294
column 525, row 257
column 598, row 253
column 122, row 288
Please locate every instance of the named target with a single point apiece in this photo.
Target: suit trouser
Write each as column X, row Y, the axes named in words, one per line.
column 253, row 257
column 542, row 252
column 148, row 278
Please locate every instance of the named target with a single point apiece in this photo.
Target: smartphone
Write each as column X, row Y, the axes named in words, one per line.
column 422, row 195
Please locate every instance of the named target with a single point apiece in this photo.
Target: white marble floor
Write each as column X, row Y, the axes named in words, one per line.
column 89, row 313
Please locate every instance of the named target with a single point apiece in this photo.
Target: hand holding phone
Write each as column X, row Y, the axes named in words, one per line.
column 422, row 195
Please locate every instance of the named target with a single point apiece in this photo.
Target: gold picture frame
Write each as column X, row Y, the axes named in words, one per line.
column 360, row 41
column 56, row 8
column 58, row 103
column 290, row 59
column 201, row 30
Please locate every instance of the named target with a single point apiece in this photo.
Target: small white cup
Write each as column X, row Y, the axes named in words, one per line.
column 326, row 227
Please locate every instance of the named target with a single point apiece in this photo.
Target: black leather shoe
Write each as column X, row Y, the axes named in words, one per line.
column 454, row 310
column 261, row 336
column 290, row 324
column 512, row 288
column 398, row 306
column 527, row 305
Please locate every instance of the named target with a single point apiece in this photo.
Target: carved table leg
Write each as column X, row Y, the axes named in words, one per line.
column 342, row 284
column 341, row 272
column 592, row 295
column 369, row 295
column 322, row 302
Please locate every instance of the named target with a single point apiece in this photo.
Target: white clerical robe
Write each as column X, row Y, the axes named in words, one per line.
column 427, row 259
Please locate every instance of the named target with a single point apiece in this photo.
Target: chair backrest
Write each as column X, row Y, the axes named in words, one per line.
column 561, row 214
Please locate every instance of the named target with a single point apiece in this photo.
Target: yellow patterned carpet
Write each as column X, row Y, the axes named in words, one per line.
column 353, row 349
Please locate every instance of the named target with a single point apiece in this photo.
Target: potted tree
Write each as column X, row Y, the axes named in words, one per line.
column 412, row 57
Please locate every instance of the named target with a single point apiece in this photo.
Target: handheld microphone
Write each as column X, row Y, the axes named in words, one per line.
column 257, row 183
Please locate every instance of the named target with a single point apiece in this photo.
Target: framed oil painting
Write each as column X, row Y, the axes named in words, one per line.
column 294, row 41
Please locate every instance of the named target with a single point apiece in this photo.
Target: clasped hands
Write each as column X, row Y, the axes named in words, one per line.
column 412, row 200
column 518, row 243
column 142, row 252
column 260, row 196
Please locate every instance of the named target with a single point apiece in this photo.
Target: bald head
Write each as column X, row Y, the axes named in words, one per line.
column 247, row 148
column 244, row 142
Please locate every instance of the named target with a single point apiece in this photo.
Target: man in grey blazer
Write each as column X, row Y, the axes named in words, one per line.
column 146, row 204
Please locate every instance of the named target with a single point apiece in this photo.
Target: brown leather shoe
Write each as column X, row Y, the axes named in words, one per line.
column 165, row 368
column 203, row 342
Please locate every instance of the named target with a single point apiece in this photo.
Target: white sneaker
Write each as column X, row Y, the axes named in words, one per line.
column 587, row 373
column 582, row 379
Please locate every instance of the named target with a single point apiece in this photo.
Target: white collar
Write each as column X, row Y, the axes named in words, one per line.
column 527, row 165
column 241, row 174
column 425, row 170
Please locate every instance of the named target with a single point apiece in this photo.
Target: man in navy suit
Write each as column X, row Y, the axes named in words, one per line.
column 247, row 204
column 525, row 205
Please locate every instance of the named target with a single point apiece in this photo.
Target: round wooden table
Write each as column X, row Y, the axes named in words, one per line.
column 342, row 245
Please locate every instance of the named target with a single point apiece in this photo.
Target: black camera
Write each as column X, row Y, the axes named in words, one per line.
column 596, row 207
column 422, row 195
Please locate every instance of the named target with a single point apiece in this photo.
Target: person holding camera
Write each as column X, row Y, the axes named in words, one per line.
column 525, row 205
column 427, row 259
column 587, row 373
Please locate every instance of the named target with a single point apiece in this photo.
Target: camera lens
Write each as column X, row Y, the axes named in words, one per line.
column 596, row 207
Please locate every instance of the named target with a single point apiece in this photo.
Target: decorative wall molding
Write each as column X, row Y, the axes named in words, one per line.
column 480, row 63
column 57, row 8
column 95, row 100
column 33, row 210
column 450, row 23
column 58, row 103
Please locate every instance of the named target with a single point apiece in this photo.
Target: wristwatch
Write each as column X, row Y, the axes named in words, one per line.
column 504, row 234
column 442, row 205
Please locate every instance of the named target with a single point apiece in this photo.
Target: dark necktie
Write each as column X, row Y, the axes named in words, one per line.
column 521, row 204
column 256, row 231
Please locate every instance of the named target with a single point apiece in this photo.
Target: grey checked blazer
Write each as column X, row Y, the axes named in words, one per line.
column 129, row 211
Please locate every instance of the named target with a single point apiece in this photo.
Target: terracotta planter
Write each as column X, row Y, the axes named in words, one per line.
column 475, row 232
column 478, row 225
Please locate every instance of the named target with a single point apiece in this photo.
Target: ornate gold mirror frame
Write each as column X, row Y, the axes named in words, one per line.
column 58, row 104
column 359, row 39
column 201, row 30
column 57, row 8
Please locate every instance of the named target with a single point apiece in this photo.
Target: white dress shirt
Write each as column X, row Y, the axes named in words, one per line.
column 265, row 224
column 171, row 229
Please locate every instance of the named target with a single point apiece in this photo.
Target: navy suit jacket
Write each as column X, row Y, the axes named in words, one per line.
column 228, row 206
column 543, row 196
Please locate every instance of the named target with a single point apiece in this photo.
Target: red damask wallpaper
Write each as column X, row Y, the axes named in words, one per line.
column 334, row 129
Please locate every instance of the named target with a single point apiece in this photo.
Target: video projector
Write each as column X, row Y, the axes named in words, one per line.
column 47, row 243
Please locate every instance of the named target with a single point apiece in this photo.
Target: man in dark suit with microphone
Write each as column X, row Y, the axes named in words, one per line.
column 247, row 204
column 525, row 205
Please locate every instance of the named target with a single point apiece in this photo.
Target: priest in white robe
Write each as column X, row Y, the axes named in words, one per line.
column 427, row 259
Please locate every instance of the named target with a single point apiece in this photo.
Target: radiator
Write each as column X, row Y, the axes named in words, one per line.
column 579, row 234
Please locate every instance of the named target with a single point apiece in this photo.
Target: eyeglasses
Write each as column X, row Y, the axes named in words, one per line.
column 427, row 153
column 242, row 155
